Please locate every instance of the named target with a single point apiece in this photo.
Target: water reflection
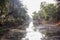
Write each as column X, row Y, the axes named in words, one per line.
column 31, row 33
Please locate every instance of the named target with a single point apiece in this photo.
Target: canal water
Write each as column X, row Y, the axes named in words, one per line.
column 32, row 32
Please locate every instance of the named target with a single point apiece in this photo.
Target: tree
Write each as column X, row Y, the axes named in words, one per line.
column 58, row 10
column 3, row 13
column 17, row 13
column 37, row 18
column 49, row 11
column 12, row 14
column 35, row 15
column 3, row 10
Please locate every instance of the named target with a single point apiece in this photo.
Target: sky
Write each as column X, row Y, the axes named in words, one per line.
column 34, row 5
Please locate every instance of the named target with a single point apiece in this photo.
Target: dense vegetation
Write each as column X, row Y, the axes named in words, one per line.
column 48, row 12
column 12, row 14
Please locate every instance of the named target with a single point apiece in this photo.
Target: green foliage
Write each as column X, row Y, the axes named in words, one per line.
column 3, row 9
column 48, row 11
column 35, row 15
column 12, row 11
column 37, row 18
column 12, row 14
column 17, row 11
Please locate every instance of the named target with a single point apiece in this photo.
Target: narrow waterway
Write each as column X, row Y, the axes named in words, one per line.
column 32, row 33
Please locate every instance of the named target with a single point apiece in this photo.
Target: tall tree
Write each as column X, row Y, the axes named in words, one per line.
column 49, row 11
column 12, row 14
column 3, row 10
column 58, row 12
column 3, row 13
column 17, row 12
